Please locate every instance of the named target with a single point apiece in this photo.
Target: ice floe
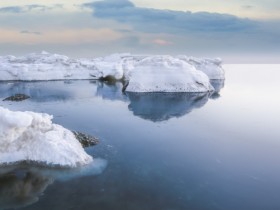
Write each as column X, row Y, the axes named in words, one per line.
column 32, row 137
column 211, row 67
column 158, row 73
column 166, row 74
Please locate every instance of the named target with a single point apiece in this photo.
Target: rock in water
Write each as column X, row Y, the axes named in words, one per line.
column 85, row 140
column 17, row 97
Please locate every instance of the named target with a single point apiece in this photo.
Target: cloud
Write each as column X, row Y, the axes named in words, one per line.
column 200, row 32
column 30, row 32
column 162, row 42
column 28, row 8
column 248, row 7
column 15, row 9
column 64, row 36
column 167, row 21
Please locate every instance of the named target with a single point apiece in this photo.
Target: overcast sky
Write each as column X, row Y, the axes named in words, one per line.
column 235, row 30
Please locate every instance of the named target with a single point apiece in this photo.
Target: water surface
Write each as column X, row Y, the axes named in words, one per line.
column 163, row 151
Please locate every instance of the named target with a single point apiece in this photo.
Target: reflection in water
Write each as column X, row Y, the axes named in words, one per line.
column 22, row 185
column 46, row 91
column 111, row 91
column 163, row 106
column 159, row 106
column 218, row 85
column 150, row 106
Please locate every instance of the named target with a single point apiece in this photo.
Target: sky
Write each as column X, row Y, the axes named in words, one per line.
column 238, row 31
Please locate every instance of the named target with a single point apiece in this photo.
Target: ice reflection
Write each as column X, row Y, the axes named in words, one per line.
column 150, row 106
column 23, row 185
column 218, row 85
column 46, row 91
column 159, row 106
column 111, row 91
column 163, row 106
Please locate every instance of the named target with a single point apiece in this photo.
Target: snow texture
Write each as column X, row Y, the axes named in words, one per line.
column 29, row 136
column 144, row 73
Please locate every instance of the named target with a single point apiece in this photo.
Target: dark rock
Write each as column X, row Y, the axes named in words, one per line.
column 17, row 97
column 111, row 79
column 85, row 140
column 125, row 84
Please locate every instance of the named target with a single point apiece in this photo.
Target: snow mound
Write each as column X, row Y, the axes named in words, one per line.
column 46, row 66
column 211, row 67
column 166, row 74
column 144, row 73
column 112, row 65
column 29, row 136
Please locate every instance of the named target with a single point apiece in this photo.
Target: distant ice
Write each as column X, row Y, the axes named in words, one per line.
column 29, row 136
column 142, row 73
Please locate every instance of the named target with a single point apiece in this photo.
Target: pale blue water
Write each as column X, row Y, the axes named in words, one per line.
column 163, row 151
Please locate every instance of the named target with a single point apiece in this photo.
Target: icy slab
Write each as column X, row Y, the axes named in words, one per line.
column 166, row 74
column 144, row 73
column 112, row 66
column 29, row 136
column 211, row 67
column 46, row 66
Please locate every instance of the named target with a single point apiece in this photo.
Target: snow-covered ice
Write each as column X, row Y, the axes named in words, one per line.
column 45, row 66
column 211, row 67
column 166, row 74
column 29, row 136
column 144, row 73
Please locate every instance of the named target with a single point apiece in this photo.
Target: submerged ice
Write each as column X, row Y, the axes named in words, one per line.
column 29, row 136
column 23, row 185
column 142, row 73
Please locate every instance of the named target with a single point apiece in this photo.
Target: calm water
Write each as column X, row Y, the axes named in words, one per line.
column 162, row 151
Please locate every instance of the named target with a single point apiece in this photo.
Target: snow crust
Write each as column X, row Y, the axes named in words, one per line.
column 29, row 136
column 144, row 73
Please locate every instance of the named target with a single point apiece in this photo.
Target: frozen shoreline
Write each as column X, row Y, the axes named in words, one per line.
column 158, row 73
